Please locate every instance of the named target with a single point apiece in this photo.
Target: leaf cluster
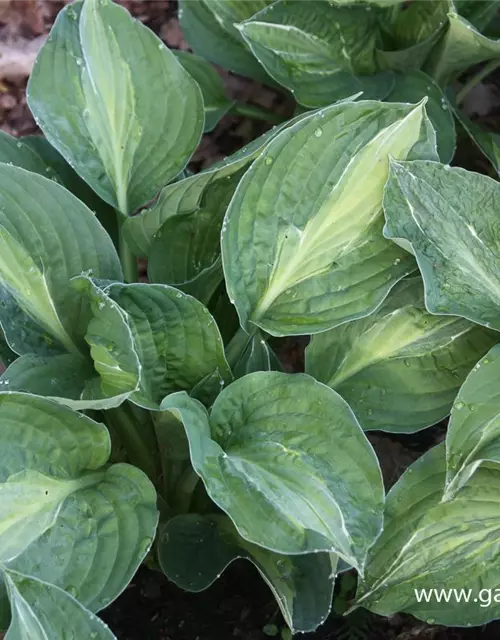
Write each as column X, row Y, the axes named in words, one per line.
column 152, row 421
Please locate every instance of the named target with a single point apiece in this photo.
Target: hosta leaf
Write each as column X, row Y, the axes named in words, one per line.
column 461, row 47
column 66, row 516
column 479, row 13
column 419, row 21
column 411, row 58
column 15, row 152
column 103, row 378
column 427, row 204
column 177, row 340
column 411, row 37
column 318, row 51
column 115, row 102
column 47, row 236
column 194, row 550
column 401, row 367
column 488, row 142
column 380, row 3
column 284, row 457
column 215, row 101
column 301, row 242
column 257, row 356
column 473, row 436
column 428, row 544
column 186, row 254
column 41, row 610
column 215, row 39
column 186, row 250
column 56, row 168
column 190, row 194
column 34, row 153
column 415, row 85
column 6, row 354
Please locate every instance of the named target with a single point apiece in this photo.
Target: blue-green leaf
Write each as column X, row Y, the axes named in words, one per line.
column 302, row 245
column 449, row 216
column 194, row 550
column 285, row 458
column 66, row 516
column 401, row 367
column 115, row 103
column 41, row 610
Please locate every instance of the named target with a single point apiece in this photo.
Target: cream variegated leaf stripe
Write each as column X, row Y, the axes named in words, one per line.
column 336, row 228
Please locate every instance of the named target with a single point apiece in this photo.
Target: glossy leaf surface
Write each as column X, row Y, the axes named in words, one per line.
column 287, row 488
column 301, row 242
column 427, row 204
column 115, row 102
column 194, row 550
column 401, row 367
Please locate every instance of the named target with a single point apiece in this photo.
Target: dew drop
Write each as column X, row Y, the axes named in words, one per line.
column 269, row 160
column 459, row 406
column 319, row 132
column 145, row 545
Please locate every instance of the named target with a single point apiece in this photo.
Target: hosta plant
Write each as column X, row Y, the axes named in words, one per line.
column 152, row 421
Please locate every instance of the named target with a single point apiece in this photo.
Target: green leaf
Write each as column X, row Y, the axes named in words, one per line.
column 415, row 85
column 176, row 338
column 284, row 457
column 301, row 242
column 15, row 152
column 428, row 204
column 41, row 610
column 479, row 13
column 47, row 236
column 185, row 252
column 419, row 21
column 410, row 38
column 56, row 168
column 401, row 367
column 66, row 516
column 320, row 52
column 257, row 356
column 380, row 3
column 208, row 27
column 106, row 376
column 215, row 101
column 194, row 550
column 487, row 142
column 115, row 103
column 6, row 354
column 473, row 435
column 191, row 194
column 428, row 544
column 461, row 47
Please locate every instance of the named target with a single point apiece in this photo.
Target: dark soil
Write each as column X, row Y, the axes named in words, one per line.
column 239, row 604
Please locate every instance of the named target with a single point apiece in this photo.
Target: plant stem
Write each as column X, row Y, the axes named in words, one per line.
column 476, row 79
column 184, row 490
column 129, row 431
column 258, row 113
column 127, row 258
column 236, row 347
